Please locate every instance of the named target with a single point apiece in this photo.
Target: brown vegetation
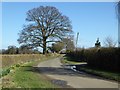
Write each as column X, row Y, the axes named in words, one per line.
column 9, row 60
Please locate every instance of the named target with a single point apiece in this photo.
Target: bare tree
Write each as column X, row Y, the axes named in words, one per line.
column 24, row 49
column 109, row 42
column 69, row 43
column 46, row 24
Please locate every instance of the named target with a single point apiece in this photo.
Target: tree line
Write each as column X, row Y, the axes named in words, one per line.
column 67, row 44
column 24, row 49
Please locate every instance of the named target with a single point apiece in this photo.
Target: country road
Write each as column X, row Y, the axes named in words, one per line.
column 54, row 69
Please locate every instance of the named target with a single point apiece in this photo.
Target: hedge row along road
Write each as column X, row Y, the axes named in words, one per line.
column 61, row 76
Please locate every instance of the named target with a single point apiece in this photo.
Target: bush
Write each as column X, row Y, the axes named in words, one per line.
column 103, row 58
column 17, row 65
column 78, row 56
column 99, row 58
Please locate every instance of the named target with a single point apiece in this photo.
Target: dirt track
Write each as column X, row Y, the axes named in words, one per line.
column 53, row 69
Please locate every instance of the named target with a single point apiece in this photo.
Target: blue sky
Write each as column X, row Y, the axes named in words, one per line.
column 90, row 19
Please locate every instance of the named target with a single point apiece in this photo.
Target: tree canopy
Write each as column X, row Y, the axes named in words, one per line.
column 66, row 45
column 46, row 24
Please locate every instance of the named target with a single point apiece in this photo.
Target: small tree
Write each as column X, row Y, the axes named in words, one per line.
column 56, row 47
column 25, row 49
column 69, row 43
column 12, row 49
column 109, row 42
column 97, row 44
column 46, row 25
column 4, row 51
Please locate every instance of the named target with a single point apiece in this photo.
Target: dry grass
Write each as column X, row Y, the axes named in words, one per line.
column 9, row 60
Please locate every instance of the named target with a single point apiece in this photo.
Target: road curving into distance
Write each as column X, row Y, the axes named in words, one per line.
column 55, row 70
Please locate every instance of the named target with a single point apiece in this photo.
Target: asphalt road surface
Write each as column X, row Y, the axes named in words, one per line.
column 60, row 75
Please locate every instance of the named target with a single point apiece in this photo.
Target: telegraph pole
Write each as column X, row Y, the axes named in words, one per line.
column 77, row 40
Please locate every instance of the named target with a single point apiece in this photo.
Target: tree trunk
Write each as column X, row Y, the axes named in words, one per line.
column 44, row 45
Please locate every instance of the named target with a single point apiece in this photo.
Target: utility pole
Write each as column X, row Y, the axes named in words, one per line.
column 119, row 31
column 118, row 5
column 67, row 44
column 77, row 40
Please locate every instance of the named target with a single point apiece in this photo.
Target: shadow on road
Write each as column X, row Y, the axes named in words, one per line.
column 61, row 71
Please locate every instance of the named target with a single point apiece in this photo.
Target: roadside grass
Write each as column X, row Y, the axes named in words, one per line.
column 102, row 73
column 23, row 77
column 68, row 60
column 9, row 62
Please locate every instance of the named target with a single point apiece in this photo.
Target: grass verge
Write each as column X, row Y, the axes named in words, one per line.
column 67, row 60
column 101, row 73
column 85, row 68
column 24, row 77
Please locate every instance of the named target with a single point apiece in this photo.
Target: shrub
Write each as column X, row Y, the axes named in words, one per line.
column 17, row 65
column 99, row 58
column 78, row 55
column 103, row 58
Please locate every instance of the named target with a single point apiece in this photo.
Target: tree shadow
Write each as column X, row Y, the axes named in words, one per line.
column 62, row 71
